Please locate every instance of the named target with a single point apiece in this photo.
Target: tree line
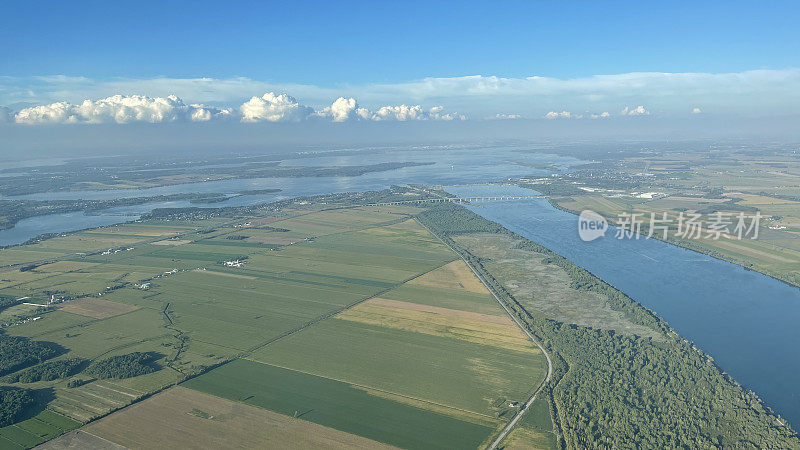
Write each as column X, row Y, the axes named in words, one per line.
column 614, row 390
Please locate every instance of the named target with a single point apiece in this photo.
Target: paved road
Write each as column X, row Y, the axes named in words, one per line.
column 530, row 401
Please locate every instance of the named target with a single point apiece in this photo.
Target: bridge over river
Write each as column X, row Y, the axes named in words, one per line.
column 469, row 199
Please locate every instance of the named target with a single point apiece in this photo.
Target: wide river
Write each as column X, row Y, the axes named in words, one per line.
column 451, row 166
column 745, row 320
column 748, row 322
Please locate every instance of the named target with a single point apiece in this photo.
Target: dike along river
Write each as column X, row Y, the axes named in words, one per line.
column 748, row 322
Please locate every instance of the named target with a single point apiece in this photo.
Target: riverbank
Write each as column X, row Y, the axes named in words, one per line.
column 670, row 375
column 693, row 246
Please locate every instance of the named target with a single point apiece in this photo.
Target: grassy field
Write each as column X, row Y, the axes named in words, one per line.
column 469, row 376
column 162, row 287
column 544, row 289
column 40, row 428
column 337, row 405
column 441, row 326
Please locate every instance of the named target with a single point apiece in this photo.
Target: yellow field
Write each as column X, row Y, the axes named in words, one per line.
column 496, row 331
column 454, row 276
column 172, row 242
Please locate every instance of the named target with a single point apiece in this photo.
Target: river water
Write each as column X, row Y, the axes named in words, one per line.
column 745, row 320
column 452, row 166
column 748, row 322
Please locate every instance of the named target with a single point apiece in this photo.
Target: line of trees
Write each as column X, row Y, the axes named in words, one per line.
column 614, row 390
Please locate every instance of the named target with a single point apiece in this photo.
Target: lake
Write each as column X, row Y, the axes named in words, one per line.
column 745, row 320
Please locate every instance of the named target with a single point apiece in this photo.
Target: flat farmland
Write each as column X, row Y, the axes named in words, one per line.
column 96, row 308
column 382, row 317
column 96, row 337
column 89, row 241
column 443, row 370
column 92, row 400
column 33, row 431
column 185, row 418
column 278, row 290
column 441, row 326
column 338, row 405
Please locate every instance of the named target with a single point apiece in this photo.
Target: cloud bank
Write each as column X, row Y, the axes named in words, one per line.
column 270, row 107
column 120, row 109
column 637, row 111
column 754, row 93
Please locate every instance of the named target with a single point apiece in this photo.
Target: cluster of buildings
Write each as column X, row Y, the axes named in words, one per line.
column 112, row 251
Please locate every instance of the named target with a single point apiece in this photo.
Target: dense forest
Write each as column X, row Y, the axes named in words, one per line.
column 13, row 403
column 17, row 352
column 124, row 366
column 613, row 390
column 48, row 371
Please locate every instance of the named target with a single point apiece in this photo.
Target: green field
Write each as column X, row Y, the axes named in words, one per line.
column 468, row 376
column 40, row 428
column 338, row 405
column 299, row 266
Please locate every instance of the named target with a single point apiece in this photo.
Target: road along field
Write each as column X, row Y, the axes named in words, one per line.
column 437, row 346
column 351, row 288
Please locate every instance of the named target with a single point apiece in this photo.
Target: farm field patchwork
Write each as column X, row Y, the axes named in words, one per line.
column 441, row 326
column 180, row 303
column 337, row 405
column 186, row 418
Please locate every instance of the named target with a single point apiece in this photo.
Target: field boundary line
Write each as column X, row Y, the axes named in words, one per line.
column 544, row 382
column 375, row 389
column 337, row 311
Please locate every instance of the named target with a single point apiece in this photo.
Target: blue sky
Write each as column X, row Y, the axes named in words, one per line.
column 317, row 50
column 326, row 43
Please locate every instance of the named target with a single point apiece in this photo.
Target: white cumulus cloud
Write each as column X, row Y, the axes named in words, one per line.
column 754, row 93
column 602, row 115
column 274, row 108
column 505, row 116
column 558, row 115
column 697, row 111
column 120, row 109
column 342, row 110
column 404, row 113
column 270, row 107
column 637, row 111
